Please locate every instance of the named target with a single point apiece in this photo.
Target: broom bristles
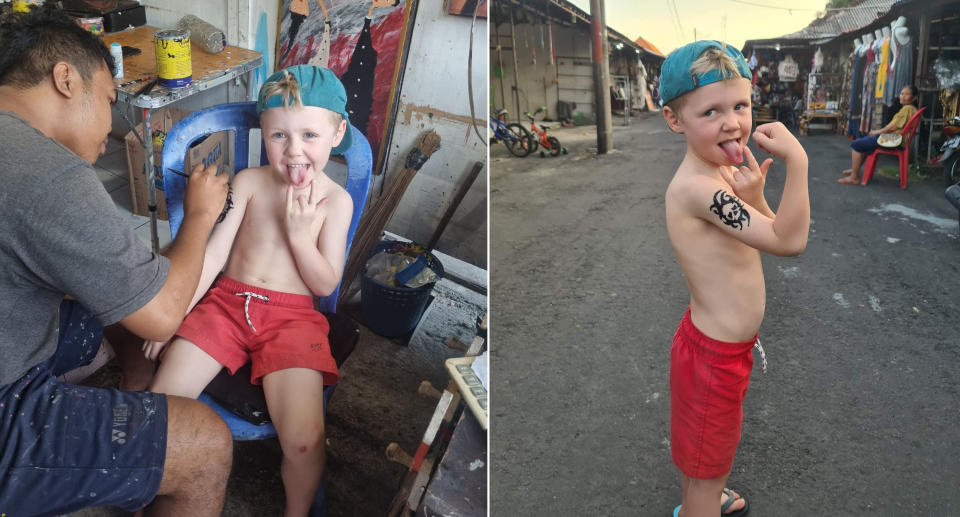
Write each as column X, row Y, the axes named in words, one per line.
column 376, row 218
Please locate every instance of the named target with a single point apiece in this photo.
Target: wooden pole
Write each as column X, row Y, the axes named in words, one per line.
column 458, row 196
column 516, row 77
column 601, row 76
column 503, row 95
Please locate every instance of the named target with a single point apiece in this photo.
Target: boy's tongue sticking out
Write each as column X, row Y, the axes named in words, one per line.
column 299, row 174
column 733, row 150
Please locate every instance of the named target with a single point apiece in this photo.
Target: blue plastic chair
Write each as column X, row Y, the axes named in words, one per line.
column 241, row 117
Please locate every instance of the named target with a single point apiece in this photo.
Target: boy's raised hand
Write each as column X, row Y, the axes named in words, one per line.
column 774, row 138
column 747, row 182
column 305, row 213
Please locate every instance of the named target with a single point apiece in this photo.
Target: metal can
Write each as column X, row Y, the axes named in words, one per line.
column 23, row 6
column 174, row 69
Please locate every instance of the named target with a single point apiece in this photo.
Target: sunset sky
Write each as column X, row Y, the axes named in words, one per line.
column 745, row 19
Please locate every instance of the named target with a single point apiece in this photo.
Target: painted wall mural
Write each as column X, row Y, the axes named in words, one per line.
column 360, row 41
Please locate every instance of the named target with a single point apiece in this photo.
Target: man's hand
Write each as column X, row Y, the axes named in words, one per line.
column 748, row 181
column 206, row 193
column 305, row 213
column 774, row 138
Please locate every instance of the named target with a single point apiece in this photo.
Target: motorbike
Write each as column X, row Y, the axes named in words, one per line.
column 950, row 158
column 949, row 155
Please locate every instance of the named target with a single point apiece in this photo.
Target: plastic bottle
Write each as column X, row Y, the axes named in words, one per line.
column 116, row 51
column 202, row 33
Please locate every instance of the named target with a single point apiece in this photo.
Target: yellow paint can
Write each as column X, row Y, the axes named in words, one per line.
column 23, row 6
column 174, row 68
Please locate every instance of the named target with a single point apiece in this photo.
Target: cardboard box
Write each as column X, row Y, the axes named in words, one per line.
column 210, row 150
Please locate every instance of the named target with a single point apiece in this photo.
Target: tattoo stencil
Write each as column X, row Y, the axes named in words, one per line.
column 730, row 210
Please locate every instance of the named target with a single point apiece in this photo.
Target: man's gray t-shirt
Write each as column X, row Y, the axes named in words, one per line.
column 60, row 234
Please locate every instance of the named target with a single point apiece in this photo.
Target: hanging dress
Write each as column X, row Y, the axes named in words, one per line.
column 856, row 93
column 359, row 78
column 869, row 84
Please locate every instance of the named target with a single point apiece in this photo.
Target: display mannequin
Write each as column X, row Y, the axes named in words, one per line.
column 857, row 43
column 903, row 66
column 894, row 46
column 900, row 31
column 867, row 43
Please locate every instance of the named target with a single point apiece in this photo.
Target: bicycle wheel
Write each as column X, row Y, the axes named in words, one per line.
column 554, row 145
column 518, row 140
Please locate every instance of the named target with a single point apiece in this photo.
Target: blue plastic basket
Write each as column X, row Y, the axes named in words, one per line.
column 394, row 311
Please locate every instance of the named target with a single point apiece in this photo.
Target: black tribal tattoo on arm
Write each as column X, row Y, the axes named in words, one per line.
column 226, row 206
column 730, row 210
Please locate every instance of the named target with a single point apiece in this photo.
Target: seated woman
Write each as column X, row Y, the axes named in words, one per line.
column 863, row 147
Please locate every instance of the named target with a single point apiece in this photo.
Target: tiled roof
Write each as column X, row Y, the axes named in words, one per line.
column 649, row 47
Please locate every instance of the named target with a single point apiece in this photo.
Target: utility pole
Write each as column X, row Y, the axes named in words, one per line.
column 601, row 76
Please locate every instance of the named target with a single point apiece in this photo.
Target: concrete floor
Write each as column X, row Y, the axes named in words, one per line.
column 858, row 411
column 375, row 403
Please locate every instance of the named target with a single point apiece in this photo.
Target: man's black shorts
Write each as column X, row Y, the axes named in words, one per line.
column 67, row 447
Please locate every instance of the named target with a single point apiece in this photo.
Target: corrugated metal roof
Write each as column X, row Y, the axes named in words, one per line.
column 845, row 20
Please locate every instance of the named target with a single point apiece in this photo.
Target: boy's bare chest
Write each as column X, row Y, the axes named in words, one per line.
column 263, row 230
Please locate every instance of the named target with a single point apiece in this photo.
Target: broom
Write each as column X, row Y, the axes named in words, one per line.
column 375, row 219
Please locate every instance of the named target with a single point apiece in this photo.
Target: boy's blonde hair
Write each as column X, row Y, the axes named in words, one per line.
column 288, row 88
column 711, row 59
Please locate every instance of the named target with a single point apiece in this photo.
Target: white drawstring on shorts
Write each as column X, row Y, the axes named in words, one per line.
column 756, row 344
column 246, row 307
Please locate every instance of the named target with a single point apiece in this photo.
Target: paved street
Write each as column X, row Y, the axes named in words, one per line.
column 858, row 411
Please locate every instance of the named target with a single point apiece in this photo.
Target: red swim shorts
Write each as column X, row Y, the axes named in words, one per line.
column 708, row 381
column 274, row 330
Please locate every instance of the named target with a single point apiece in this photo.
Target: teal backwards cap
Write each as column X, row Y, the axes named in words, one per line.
column 318, row 87
column 676, row 78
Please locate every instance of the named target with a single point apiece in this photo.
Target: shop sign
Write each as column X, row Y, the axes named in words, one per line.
column 788, row 69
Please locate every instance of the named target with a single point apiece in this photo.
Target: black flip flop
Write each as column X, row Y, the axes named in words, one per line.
column 730, row 500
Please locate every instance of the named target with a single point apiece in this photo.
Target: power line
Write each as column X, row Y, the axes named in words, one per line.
column 673, row 20
column 672, row 5
column 775, row 6
column 678, row 19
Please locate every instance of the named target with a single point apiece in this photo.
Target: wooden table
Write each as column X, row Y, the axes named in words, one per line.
column 208, row 71
column 835, row 117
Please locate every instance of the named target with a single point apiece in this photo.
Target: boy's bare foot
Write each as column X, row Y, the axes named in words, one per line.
column 848, row 180
column 847, row 172
column 728, row 507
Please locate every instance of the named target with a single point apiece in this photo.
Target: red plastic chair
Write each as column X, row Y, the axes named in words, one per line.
column 902, row 152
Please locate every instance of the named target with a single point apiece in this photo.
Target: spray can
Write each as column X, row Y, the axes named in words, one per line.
column 116, row 51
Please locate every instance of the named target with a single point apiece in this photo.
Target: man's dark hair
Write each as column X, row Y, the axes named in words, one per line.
column 32, row 43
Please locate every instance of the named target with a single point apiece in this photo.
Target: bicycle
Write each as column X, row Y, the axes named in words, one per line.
column 550, row 143
column 514, row 136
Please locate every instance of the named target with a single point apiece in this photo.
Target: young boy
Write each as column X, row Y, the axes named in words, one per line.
column 283, row 242
column 719, row 221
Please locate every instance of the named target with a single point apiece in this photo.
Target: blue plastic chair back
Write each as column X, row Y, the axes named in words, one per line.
column 241, row 117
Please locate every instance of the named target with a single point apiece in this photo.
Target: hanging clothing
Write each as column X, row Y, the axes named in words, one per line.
column 869, row 84
column 856, row 94
column 902, row 72
column 882, row 69
column 890, row 90
column 358, row 80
